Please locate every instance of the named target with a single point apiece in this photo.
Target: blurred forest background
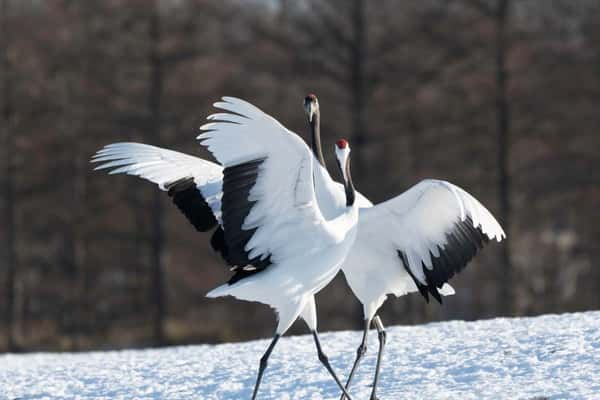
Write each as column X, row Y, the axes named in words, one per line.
column 498, row 96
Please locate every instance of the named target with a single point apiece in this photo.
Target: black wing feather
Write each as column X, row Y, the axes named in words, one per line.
column 462, row 244
column 238, row 180
column 191, row 203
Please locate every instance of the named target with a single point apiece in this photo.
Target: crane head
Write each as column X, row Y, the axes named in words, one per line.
column 311, row 106
column 342, row 153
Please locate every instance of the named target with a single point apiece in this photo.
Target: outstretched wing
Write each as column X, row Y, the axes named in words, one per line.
column 268, row 207
column 432, row 231
column 194, row 184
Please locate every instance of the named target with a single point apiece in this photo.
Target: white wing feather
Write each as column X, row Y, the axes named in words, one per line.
column 162, row 166
column 418, row 221
column 288, row 223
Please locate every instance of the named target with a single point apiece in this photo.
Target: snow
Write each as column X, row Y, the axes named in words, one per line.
column 551, row 356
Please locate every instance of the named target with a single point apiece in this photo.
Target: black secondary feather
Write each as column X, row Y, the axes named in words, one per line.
column 188, row 198
column 238, row 180
column 462, row 244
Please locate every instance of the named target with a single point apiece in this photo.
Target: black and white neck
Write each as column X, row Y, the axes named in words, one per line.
column 342, row 152
column 311, row 107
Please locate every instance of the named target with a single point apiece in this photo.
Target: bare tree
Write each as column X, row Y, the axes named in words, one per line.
column 498, row 11
column 9, row 171
column 80, row 165
column 155, row 93
column 359, row 79
column 503, row 131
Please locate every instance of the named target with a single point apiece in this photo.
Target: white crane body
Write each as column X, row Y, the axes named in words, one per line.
column 413, row 242
column 261, row 199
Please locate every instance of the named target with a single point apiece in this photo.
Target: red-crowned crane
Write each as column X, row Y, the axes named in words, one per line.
column 413, row 242
column 281, row 248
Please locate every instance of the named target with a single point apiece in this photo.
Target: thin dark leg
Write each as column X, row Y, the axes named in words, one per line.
column 382, row 339
column 263, row 364
column 325, row 361
column 360, row 352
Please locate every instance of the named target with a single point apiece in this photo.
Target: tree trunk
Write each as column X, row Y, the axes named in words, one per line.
column 503, row 127
column 83, row 318
column 357, row 84
column 357, row 102
column 154, row 105
column 9, row 170
column 76, row 248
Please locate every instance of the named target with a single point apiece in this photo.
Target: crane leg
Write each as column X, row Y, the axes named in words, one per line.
column 360, row 352
column 382, row 336
column 325, row 361
column 263, row 364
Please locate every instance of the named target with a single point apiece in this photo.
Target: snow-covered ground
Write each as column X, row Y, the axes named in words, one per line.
column 552, row 356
